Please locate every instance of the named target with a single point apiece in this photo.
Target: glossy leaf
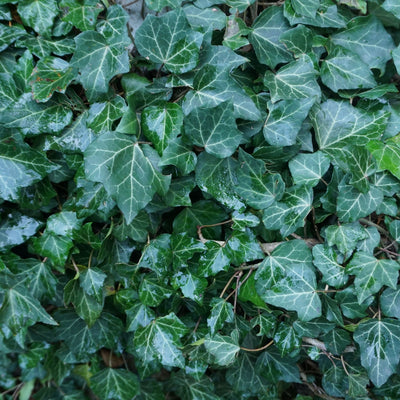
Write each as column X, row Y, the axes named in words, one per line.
column 289, row 213
column 366, row 37
column 379, row 342
column 162, row 124
column 82, row 15
column 371, row 274
column 223, row 348
column 214, row 129
column 265, row 35
column 168, row 40
column 284, row 121
column 120, row 164
column 296, row 80
column 160, row 341
column 112, row 383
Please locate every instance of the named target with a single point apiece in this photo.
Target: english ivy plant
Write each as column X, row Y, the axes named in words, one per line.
column 208, row 210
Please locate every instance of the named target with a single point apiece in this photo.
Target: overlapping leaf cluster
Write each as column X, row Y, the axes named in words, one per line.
column 210, row 214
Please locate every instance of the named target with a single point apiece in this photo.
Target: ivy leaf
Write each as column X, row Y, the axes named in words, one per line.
column 294, row 290
column 327, row 16
column 284, row 121
column 191, row 286
column 343, row 69
column 161, row 124
column 101, row 116
column 34, row 118
column 120, row 164
column 152, row 292
column 16, row 229
column 244, row 377
column 168, row 40
column 158, row 5
column 91, row 281
column 213, row 260
column 20, row 166
column 366, row 37
column 43, row 47
column 9, row 34
column 203, row 18
column 112, row 384
column 213, row 85
column 337, row 123
column 55, row 247
column 257, row 188
column 97, row 62
column 296, row 80
column 157, row 255
column 86, row 306
column 214, row 129
column 308, row 169
column 288, row 214
column 19, row 309
column 138, row 316
column 221, row 312
column 326, row 259
column 82, row 15
column 218, row 178
column 160, row 341
column 183, row 248
column 188, row 388
column 114, row 27
column 179, row 154
column 387, row 156
column 352, row 204
column 265, row 35
column 390, row 302
column 307, row 8
column 81, row 339
column 298, row 40
column 63, row 223
column 275, row 367
column 51, row 75
column 272, row 268
column 243, row 247
column 223, row 348
column 379, row 341
column 39, row 15
column 371, row 274
column 393, row 7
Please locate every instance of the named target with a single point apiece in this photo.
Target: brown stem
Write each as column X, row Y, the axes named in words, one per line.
column 259, row 349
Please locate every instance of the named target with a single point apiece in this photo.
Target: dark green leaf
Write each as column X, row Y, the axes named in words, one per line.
column 344, row 69
column 39, row 14
column 288, row 214
column 16, row 229
column 265, row 35
column 223, row 348
column 284, row 121
column 214, row 129
column 371, row 274
column 82, row 15
column 97, row 61
column 51, row 75
column 221, row 312
column 366, row 37
column 296, row 80
column 160, row 341
column 379, row 341
column 120, row 164
column 168, row 40
column 115, row 384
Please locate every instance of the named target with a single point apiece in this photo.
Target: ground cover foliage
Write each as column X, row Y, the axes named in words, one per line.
column 212, row 214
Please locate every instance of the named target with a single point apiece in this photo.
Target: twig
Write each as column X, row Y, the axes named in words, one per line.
column 370, row 223
column 259, row 349
column 228, row 283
